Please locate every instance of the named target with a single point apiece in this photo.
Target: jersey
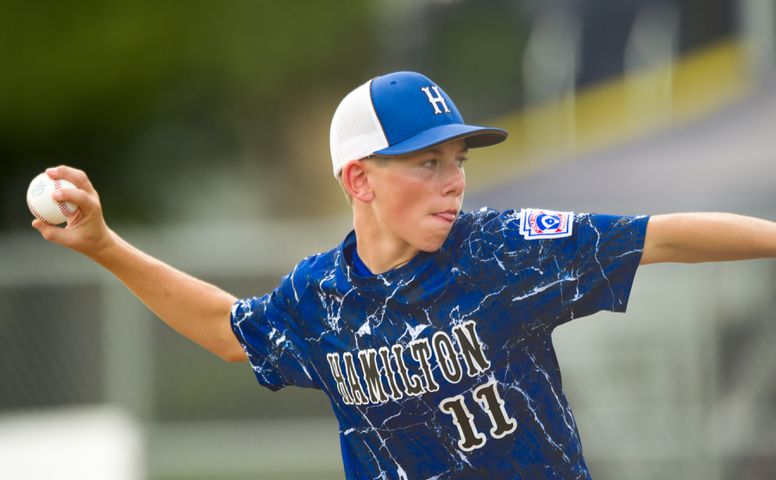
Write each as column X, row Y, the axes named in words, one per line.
column 444, row 368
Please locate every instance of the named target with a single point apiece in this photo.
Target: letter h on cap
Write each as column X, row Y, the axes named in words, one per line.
column 435, row 101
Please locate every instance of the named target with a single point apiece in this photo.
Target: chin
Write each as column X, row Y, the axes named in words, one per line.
column 431, row 245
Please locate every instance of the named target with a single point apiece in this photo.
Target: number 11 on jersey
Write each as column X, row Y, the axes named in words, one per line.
column 490, row 401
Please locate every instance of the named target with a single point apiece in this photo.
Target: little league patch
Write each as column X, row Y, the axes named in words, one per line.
column 536, row 224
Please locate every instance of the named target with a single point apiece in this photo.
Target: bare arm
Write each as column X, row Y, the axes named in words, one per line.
column 194, row 308
column 707, row 237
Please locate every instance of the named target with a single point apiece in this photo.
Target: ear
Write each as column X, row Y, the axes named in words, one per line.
column 356, row 181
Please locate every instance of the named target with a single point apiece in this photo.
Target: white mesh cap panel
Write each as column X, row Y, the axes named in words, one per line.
column 355, row 129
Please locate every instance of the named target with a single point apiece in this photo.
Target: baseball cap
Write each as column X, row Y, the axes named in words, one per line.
column 396, row 114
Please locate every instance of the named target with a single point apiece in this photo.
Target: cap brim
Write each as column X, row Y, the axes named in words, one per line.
column 474, row 135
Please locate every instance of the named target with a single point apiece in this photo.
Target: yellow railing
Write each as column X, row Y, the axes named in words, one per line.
column 613, row 112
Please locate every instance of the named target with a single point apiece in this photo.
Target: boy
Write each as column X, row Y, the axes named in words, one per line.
column 429, row 329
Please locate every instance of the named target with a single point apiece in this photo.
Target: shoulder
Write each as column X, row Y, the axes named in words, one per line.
column 486, row 219
column 513, row 229
column 485, row 222
column 310, row 271
column 481, row 232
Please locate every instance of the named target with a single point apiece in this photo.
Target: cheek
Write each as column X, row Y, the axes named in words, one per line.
column 407, row 200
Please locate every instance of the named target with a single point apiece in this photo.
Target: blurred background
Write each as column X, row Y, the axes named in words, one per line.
column 204, row 126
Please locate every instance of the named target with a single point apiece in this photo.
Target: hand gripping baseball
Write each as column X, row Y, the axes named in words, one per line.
column 86, row 231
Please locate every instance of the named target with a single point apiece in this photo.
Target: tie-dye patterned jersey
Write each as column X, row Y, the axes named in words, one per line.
column 444, row 368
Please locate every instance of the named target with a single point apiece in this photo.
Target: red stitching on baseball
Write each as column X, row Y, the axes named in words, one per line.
column 66, row 211
column 37, row 214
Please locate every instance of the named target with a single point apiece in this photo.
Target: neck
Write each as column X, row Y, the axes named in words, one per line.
column 380, row 250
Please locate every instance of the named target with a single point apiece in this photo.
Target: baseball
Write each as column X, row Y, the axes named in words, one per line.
column 41, row 203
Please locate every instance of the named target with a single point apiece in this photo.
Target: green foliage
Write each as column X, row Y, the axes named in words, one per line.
column 84, row 82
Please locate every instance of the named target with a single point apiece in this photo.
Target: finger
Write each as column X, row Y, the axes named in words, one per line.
column 49, row 232
column 73, row 175
column 74, row 220
column 79, row 198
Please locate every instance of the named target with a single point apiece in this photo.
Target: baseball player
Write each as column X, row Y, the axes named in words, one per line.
column 428, row 328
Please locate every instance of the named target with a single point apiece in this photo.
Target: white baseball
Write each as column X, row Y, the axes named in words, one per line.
column 43, row 205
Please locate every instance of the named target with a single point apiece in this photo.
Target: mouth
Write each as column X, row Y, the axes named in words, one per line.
column 447, row 215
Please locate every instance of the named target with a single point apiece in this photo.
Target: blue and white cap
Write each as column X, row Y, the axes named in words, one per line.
column 396, row 114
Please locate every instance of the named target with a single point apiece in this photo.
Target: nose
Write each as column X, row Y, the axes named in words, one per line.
column 455, row 180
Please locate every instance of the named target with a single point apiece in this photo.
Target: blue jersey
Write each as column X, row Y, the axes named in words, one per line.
column 444, row 367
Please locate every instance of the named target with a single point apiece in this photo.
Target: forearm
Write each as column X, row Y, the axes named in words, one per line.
column 708, row 237
column 194, row 308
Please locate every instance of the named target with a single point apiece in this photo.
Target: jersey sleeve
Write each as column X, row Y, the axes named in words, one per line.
column 602, row 254
column 559, row 266
column 270, row 337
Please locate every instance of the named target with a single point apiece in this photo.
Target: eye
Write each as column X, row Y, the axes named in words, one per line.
column 462, row 160
column 430, row 163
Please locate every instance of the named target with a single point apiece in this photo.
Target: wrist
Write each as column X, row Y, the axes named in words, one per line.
column 106, row 248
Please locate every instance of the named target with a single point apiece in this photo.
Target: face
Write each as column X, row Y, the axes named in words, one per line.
column 418, row 197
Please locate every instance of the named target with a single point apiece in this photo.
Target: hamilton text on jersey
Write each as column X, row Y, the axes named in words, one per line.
column 384, row 382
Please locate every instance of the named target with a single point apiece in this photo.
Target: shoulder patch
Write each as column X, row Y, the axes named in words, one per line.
column 536, row 223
